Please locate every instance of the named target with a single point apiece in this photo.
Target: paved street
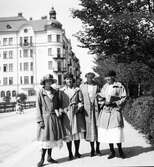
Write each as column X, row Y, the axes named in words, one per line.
column 19, row 148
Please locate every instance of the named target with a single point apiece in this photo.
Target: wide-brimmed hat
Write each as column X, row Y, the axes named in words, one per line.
column 110, row 73
column 47, row 77
column 90, row 74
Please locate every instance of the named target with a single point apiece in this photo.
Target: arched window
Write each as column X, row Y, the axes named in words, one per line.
column 2, row 94
column 13, row 93
column 8, row 93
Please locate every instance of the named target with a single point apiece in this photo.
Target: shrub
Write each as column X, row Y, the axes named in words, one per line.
column 23, row 97
column 140, row 113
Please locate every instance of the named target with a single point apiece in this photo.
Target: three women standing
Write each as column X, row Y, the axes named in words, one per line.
column 50, row 133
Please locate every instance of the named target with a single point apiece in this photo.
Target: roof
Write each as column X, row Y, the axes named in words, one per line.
column 8, row 24
column 13, row 24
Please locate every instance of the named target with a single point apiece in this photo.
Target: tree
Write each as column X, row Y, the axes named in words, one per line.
column 22, row 96
column 121, row 35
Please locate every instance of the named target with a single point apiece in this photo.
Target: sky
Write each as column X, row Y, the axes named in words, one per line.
column 38, row 8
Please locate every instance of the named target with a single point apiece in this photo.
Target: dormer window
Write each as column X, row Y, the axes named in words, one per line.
column 25, row 30
column 8, row 26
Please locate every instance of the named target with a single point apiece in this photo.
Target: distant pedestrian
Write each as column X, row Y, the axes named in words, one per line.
column 72, row 115
column 89, row 91
column 110, row 121
column 50, row 132
column 19, row 107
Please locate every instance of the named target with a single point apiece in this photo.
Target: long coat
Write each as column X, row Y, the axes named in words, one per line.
column 73, row 120
column 46, row 114
column 91, row 111
column 111, row 116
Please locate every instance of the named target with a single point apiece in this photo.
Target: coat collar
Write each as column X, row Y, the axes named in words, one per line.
column 51, row 90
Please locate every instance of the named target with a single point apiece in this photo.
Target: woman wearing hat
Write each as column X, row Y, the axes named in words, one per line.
column 110, row 121
column 73, row 124
column 50, row 132
column 89, row 91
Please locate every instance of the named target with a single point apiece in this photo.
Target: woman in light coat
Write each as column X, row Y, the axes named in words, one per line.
column 110, row 121
column 89, row 91
column 50, row 132
column 72, row 115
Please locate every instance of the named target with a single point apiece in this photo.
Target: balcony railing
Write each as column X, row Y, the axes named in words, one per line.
column 26, row 44
column 56, row 57
column 64, row 69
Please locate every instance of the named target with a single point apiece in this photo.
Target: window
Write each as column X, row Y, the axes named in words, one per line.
column 13, row 93
column 4, row 41
column 58, row 38
column 32, row 79
column 25, row 53
column 31, row 92
column 20, row 80
column 26, row 80
column 50, row 65
column 20, row 40
column 59, row 66
column 20, row 66
column 10, row 54
column 58, row 52
column 8, row 93
column 10, row 41
column 26, row 66
column 10, row 67
column 59, row 79
column 49, row 38
column 49, row 51
column 5, row 81
column 20, row 53
column 10, row 80
column 31, row 66
column 4, row 67
column 4, row 54
column 31, row 40
column 31, row 52
column 2, row 94
column 25, row 41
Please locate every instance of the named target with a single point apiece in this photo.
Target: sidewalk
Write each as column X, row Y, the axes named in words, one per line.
column 138, row 153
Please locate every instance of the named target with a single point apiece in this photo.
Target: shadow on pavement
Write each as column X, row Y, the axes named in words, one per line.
column 136, row 150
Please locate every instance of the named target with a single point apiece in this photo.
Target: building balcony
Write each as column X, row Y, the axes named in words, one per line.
column 26, row 44
column 58, row 57
column 56, row 70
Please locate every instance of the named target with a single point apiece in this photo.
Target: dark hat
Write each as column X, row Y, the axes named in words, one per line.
column 68, row 75
column 110, row 73
column 47, row 78
column 90, row 74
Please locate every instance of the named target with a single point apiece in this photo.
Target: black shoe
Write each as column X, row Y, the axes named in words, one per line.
column 98, row 152
column 122, row 155
column 112, row 155
column 71, row 157
column 92, row 154
column 77, row 155
column 51, row 160
column 40, row 163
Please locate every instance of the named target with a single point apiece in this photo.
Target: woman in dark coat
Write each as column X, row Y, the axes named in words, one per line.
column 72, row 118
column 50, row 132
column 110, row 121
column 89, row 91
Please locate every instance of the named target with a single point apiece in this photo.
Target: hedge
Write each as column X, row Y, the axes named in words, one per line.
column 140, row 113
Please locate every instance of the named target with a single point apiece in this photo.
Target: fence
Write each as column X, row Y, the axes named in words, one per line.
column 9, row 107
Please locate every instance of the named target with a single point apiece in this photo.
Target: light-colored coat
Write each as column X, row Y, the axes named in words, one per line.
column 111, row 117
column 73, row 121
column 91, row 111
column 46, row 114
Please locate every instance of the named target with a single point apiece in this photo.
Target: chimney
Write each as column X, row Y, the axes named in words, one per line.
column 20, row 14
